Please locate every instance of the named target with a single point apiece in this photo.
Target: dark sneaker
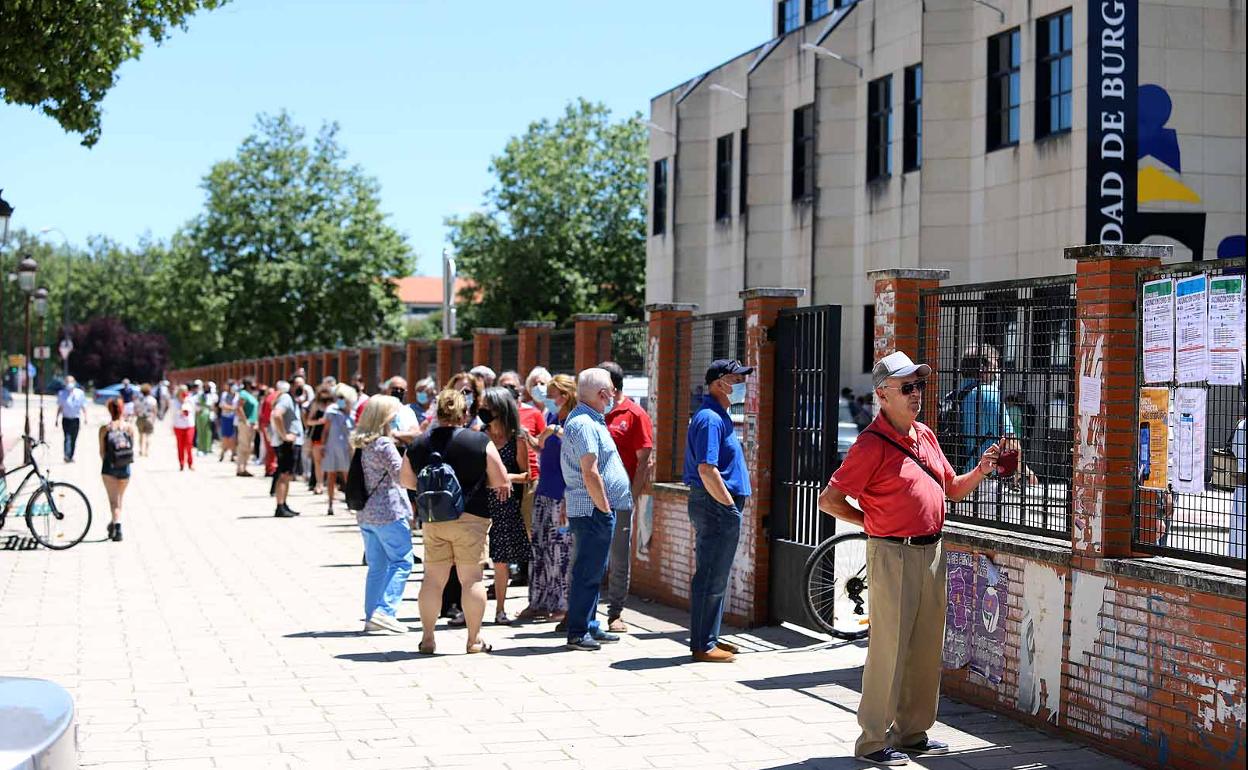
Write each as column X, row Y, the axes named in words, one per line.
column 586, row 642
column 887, row 756
column 928, row 746
column 283, row 512
column 117, row 533
column 603, row 637
column 111, row 526
column 290, row 510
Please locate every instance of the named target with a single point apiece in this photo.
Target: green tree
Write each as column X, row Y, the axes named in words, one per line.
column 299, row 252
column 62, row 57
column 563, row 229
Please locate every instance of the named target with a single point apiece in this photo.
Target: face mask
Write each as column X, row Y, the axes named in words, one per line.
column 486, row 416
column 422, row 398
column 552, row 406
column 399, row 393
column 738, row 394
column 394, row 424
column 538, row 392
column 469, row 398
column 342, row 404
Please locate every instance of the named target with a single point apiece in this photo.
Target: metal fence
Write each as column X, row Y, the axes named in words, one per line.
column 628, row 346
column 707, row 338
column 1003, row 360
column 427, row 364
column 1190, row 495
column 465, row 356
column 398, row 363
column 353, row 366
column 509, row 353
column 561, row 358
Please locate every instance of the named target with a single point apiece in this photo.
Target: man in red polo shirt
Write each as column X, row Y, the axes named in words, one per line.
column 900, row 477
column 633, row 432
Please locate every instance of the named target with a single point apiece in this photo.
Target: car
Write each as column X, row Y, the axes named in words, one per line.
column 846, row 429
column 104, row 395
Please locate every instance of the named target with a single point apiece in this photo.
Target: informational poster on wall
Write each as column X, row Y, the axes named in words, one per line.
column 1187, row 441
column 991, row 603
column 1191, row 312
column 960, row 609
column 1154, row 437
column 1226, row 329
column 1158, row 316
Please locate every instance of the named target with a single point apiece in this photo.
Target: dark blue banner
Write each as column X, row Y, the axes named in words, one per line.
column 1113, row 119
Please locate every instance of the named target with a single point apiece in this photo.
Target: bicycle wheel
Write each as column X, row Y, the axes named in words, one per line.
column 836, row 586
column 58, row 515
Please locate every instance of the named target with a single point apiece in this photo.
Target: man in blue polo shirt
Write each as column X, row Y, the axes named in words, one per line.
column 719, row 485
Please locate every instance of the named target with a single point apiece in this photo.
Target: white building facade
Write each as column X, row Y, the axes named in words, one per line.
column 951, row 134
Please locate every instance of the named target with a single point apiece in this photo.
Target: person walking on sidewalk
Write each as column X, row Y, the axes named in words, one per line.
column 633, row 432
column 70, row 404
column 719, row 485
column 900, row 476
column 117, row 453
column 286, row 435
column 597, row 492
column 384, row 518
column 184, row 407
column 145, row 417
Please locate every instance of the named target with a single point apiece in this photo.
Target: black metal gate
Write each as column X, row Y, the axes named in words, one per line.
column 804, row 448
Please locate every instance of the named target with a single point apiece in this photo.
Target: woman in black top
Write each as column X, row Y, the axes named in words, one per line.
column 509, row 542
column 316, row 434
column 461, row 542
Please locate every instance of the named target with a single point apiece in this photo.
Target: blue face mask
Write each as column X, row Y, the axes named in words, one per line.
column 342, row 404
column 551, row 406
column 422, row 398
column 738, row 394
column 538, row 392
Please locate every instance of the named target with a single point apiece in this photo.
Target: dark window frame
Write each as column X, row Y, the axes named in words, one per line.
column 804, row 153
column 880, row 128
column 723, row 178
column 742, row 199
column 658, row 208
column 1002, row 127
column 788, row 18
column 912, row 140
column 1054, row 63
column 817, row 9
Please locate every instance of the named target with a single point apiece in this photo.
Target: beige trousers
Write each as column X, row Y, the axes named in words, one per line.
column 901, row 681
column 242, row 451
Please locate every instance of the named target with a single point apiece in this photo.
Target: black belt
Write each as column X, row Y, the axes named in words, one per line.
column 917, row 540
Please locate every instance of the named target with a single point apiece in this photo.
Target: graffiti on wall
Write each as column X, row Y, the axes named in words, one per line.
column 960, row 609
column 1040, row 640
column 1089, row 448
column 992, row 592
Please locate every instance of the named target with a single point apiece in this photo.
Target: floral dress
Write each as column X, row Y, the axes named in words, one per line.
column 509, row 543
column 552, row 543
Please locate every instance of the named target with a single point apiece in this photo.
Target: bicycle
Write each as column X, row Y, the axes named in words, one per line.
column 835, row 578
column 58, row 514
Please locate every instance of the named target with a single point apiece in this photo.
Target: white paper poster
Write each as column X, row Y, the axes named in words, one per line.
column 1089, row 395
column 1187, row 441
column 1226, row 328
column 1191, row 329
column 1158, row 308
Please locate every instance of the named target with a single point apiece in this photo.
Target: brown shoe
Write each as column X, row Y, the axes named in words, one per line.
column 728, row 647
column 715, row 655
column 617, row 626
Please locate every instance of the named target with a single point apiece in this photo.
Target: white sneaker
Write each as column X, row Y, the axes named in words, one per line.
column 381, row 623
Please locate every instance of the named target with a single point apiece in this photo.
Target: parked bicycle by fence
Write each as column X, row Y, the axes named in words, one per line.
column 58, row 514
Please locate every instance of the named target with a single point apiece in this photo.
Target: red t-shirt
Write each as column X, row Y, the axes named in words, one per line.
column 531, row 419
column 897, row 496
column 630, row 427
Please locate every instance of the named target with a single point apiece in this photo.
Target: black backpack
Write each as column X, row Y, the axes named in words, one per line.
column 439, row 495
column 949, row 425
column 118, row 448
column 356, row 490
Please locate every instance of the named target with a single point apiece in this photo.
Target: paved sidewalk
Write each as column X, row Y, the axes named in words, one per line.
column 217, row 636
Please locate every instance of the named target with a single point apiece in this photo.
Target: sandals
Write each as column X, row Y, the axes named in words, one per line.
column 501, row 619
column 427, row 649
column 480, row 647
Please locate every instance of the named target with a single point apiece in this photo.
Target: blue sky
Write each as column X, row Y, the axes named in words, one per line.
column 425, row 92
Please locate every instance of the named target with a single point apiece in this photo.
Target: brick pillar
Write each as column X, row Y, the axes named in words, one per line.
column 448, row 361
column 364, row 366
column 534, row 345
column 762, row 308
column 1103, row 486
column 387, row 363
column 487, row 347
column 897, row 317
column 588, row 350
column 668, row 351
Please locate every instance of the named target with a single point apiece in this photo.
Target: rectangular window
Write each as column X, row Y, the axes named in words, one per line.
column 723, row 177
column 1053, row 74
column 912, row 152
column 789, row 19
column 879, row 128
column 1003, row 62
column 816, row 9
column 745, row 171
column 658, row 211
column 804, row 152
column 868, row 338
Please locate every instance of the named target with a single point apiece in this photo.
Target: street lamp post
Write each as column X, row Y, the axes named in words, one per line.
column 69, row 277
column 27, row 271
column 41, row 310
column 6, row 213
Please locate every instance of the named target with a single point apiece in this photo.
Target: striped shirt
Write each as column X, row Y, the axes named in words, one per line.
column 585, row 433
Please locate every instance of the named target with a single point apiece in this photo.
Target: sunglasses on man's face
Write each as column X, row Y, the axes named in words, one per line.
column 907, row 388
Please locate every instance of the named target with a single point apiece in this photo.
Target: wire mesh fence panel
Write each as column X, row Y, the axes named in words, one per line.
column 679, row 379
column 562, row 355
column 427, row 363
column 509, row 353
column 331, row 368
column 353, row 366
column 374, row 374
column 1190, row 444
column 1002, row 356
column 628, row 346
column 466, row 359
column 398, row 363
column 709, row 337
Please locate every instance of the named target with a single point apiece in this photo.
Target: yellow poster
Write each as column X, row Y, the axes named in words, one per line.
column 1154, row 436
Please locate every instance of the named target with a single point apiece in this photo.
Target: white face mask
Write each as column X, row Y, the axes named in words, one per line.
column 538, row 392
column 738, row 394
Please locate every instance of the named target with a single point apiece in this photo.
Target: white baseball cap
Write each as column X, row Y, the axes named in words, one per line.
column 897, row 364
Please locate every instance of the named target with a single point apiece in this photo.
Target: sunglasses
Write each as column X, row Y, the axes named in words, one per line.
column 910, row 387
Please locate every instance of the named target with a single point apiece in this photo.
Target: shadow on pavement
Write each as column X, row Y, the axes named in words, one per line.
column 395, row 656
column 325, row 635
column 650, row 664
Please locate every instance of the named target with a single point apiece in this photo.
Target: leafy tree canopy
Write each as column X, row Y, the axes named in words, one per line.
column 62, row 57
column 563, row 228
